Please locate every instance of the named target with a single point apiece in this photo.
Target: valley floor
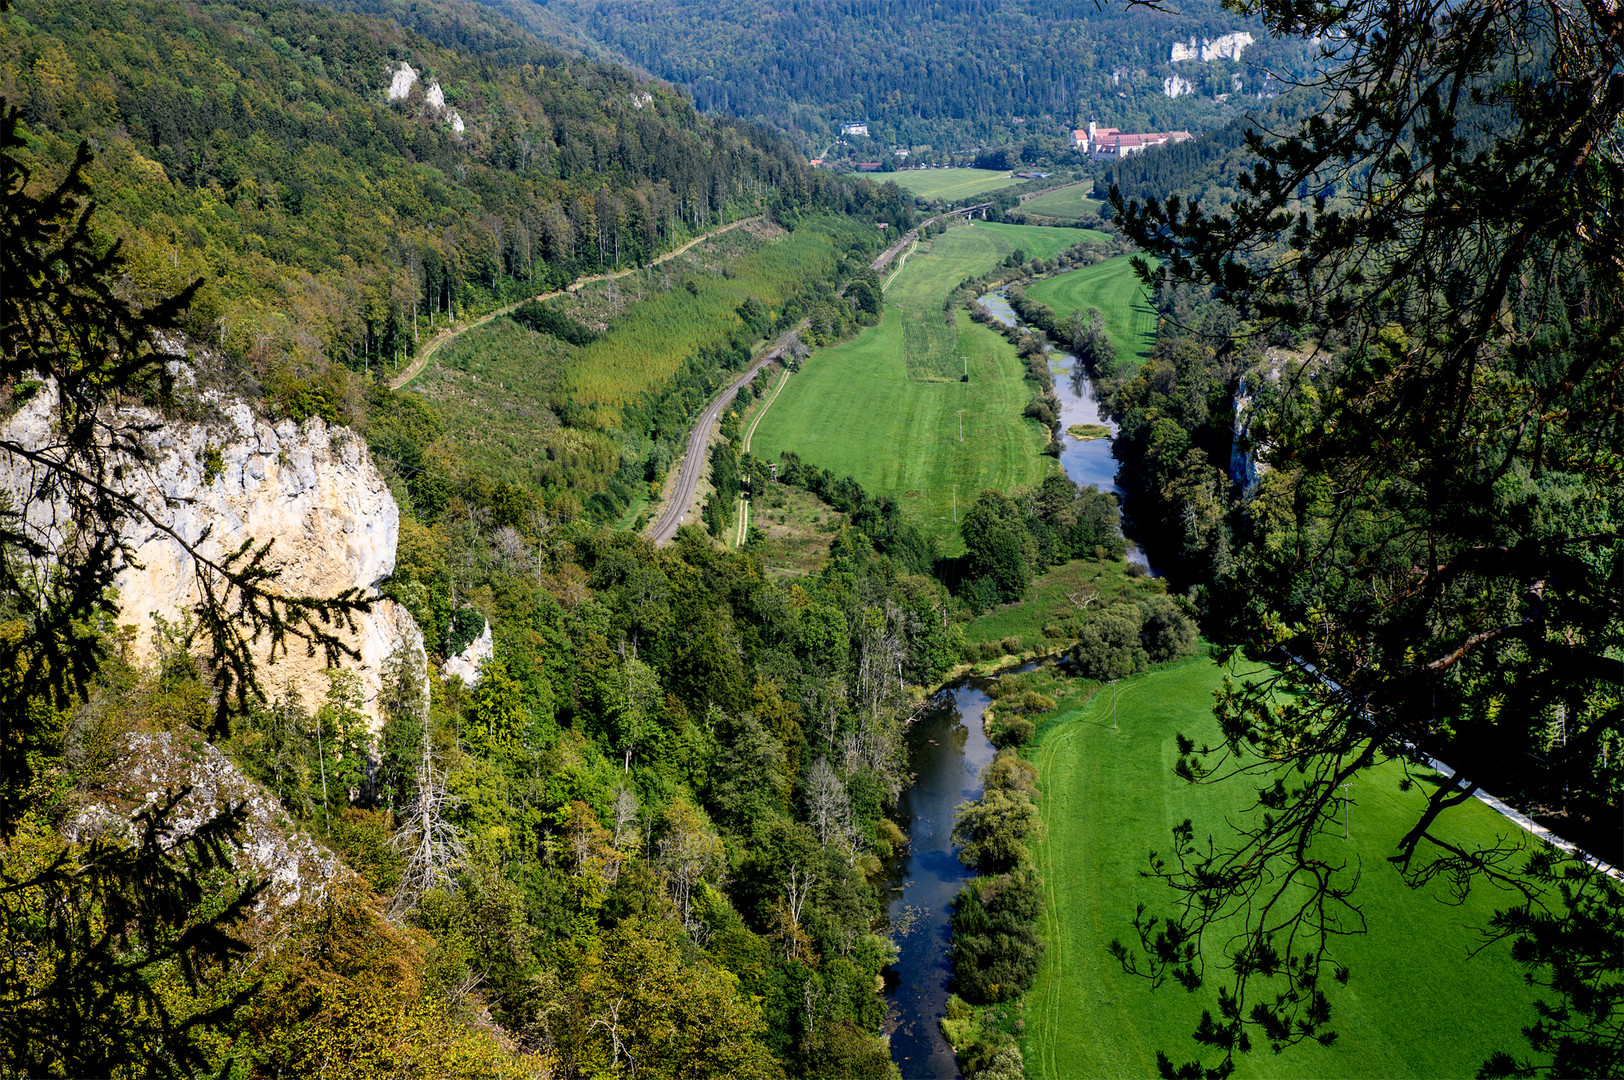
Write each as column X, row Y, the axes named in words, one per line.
column 1421, row 1000
column 885, row 408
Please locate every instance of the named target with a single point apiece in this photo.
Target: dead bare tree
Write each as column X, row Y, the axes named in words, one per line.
column 431, row 843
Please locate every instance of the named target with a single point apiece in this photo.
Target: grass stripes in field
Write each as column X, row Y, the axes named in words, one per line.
column 948, row 184
column 1418, row 1004
column 1112, row 287
column 1040, row 241
column 1069, row 203
column 870, row 410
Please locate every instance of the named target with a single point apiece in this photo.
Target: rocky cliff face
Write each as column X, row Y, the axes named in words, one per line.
column 310, row 489
column 150, row 768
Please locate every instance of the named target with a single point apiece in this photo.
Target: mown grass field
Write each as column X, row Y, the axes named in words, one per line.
column 1417, row 1004
column 1112, row 287
column 1040, row 241
column 949, row 184
column 883, row 408
column 1070, row 203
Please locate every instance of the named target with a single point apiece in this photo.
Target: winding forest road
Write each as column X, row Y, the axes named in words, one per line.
column 692, row 465
column 426, row 353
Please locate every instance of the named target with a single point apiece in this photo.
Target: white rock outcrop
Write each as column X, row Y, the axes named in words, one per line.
column 466, row 664
column 309, row 489
column 1227, row 47
column 149, row 767
column 401, row 81
column 1176, row 86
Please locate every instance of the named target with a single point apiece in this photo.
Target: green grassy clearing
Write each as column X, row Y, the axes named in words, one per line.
column 948, row 184
column 1040, row 241
column 872, row 409
column 1069, row 203
column 798, row 529
column 1050, row 601
column 1112, row 287
column 490, row 388
column 1416, row 1005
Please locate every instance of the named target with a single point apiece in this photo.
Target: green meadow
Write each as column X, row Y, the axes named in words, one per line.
column 1069, row 203
column 1421, row 1000
column 1041, row 241
column 884, row 408
column 1112, row 287
column 948, row 184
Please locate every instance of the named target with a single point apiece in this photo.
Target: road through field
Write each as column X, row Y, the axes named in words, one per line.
column 692, row 465
column 426, row 353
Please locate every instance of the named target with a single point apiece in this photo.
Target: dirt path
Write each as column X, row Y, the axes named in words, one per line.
column 427, row 351
column 750, row 433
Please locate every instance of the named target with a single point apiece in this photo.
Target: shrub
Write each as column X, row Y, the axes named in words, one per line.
column 996, row 948
column 1011, row 731
column 1034, row 702
column 466, row 625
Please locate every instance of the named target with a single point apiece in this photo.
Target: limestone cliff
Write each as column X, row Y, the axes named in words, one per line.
column 310, row 489
column 151, row 767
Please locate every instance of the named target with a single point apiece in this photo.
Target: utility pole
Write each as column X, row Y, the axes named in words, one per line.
column 955, row 504
column 966, row 360
column 961, row 425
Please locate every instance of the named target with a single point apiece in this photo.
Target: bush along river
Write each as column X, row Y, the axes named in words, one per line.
column 947, row 749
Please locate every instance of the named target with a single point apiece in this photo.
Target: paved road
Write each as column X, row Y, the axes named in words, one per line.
column 694, row 458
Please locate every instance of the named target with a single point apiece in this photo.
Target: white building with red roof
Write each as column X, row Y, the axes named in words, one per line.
column 1109, row 144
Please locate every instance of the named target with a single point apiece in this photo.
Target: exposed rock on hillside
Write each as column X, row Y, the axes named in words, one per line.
column 151, row 766
column 465, row 665
column 311, row 490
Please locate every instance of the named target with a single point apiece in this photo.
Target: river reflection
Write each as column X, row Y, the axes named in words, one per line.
column 1085, row 461
column 947, row 750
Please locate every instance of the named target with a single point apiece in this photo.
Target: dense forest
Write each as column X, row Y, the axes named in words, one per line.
column 949, row 75
column 343, row 186
column 259, row 146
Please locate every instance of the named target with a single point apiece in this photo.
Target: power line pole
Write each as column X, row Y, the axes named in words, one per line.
column 961, row 425
column 955, row 504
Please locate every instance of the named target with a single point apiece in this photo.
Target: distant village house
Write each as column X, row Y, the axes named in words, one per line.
column 868, row 166
column 1109, row 144
column 855, row 127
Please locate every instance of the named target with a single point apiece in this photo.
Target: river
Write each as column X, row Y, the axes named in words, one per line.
column 947, row 749
column 1086, row 461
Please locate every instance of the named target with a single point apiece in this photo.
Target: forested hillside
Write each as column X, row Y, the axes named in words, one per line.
column 258, row 145
column 948, row 74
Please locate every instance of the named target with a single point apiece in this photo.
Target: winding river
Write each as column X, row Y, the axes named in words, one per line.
column 947, row 749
